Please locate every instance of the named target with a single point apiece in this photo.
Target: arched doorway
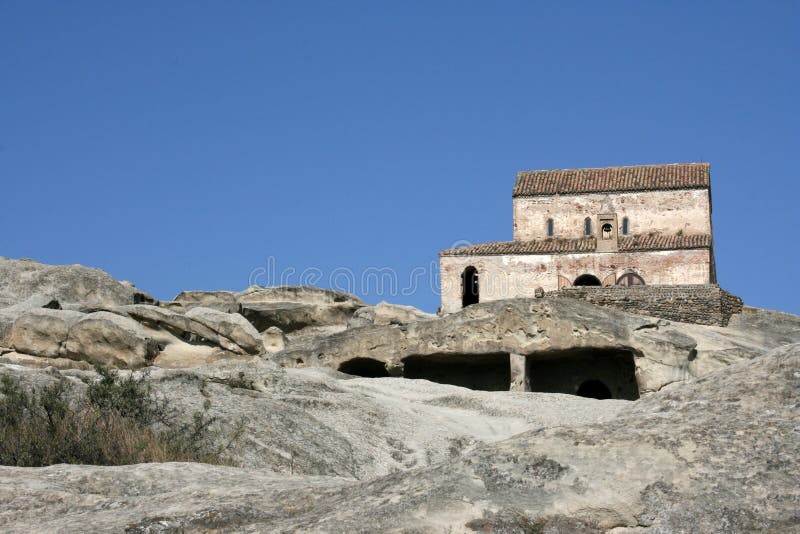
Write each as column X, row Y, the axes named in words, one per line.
column 593, row 389
column 586, row 280
column 469, row 287
column 630, row 279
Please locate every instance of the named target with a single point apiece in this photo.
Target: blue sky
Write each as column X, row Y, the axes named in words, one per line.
column 182, row 145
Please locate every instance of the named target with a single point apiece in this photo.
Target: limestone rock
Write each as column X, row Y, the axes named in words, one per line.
column 229, row 325
column 109, row 339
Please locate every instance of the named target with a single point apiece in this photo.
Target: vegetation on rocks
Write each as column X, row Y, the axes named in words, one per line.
column 117, row 421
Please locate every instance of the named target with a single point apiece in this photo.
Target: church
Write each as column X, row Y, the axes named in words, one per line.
column 614, row 226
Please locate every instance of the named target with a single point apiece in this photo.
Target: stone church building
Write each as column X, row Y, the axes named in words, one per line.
column 638, row 225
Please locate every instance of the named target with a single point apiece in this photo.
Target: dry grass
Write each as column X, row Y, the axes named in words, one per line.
column 118, row 422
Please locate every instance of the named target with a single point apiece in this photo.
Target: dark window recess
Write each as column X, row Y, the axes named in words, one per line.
column 550, row 229
column 625, row 225
column 587, row 226
column 469, row 287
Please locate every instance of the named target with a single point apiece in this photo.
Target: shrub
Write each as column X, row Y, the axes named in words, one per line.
column 118, row 421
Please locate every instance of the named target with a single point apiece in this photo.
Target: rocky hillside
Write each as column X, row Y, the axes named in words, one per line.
column 710, row 446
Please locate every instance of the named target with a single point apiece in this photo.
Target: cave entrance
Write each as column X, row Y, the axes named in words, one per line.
column 366, row 367
column 587, row 372
column 594, row 389
column 486, row 372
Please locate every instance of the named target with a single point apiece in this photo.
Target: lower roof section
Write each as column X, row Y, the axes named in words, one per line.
column 634, row 243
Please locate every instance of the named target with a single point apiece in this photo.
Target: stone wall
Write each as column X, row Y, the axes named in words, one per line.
column 664, row 212
column 706, row 304
column 503, row 277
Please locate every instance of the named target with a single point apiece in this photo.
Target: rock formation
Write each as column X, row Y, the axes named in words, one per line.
column 709, row 446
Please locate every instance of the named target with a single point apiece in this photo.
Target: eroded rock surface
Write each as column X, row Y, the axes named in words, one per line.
column 329, row 454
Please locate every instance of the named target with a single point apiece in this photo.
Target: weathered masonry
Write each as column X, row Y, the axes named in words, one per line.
column 616, row 226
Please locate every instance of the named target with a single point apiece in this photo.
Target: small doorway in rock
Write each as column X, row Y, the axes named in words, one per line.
column 593, row 389
column 586, row 280
column 469, row 287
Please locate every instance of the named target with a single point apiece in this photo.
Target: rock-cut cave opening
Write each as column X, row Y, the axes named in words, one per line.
column 366, row 367
column 587, row 372
column 486, row 372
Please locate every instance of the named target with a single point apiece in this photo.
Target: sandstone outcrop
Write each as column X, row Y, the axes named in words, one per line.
column 22, row 279
column 663, row 352
column 109, row 339
column 328, row 453
column 385, row 314
column 231, row 326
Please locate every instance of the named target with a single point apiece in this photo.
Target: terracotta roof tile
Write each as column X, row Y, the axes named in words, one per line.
column 581, row 245
column 635, row 178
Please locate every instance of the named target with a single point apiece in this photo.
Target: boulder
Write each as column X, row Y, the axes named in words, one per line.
column 296, row 294
column 109, row 339
column 229, row 325
column 292, row 316
column 224, row 301
column 385, row 314
column 10, row 313
column 23, row 278
column 42, row 332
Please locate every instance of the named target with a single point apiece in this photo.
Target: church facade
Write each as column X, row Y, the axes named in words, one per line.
column 636, row 225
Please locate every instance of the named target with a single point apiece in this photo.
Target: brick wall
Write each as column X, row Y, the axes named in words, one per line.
column 700, row 304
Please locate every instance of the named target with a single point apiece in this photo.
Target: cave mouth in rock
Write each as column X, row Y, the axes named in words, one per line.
column 365, row 367
column 587, row 372
column 485, row 372
column 593, row 389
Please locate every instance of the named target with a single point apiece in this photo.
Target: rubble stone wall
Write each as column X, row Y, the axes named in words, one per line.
column 706, row 304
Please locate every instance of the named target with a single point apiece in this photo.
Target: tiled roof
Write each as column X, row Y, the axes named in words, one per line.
column 635, row 178
column 581, row 245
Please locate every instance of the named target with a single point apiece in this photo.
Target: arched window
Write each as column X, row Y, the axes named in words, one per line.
column 625, row 224
column 606, row 231
column 550, row 230
column 587, row 226
column 630, row 279
column 469, row 286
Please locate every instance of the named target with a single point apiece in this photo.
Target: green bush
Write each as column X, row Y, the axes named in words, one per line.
column 118, row 421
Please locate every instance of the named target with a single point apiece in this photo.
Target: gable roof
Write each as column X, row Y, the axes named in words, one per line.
column 634, row 178
column 634, row 243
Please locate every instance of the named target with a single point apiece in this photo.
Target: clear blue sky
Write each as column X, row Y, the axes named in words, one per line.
column 181, row 144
